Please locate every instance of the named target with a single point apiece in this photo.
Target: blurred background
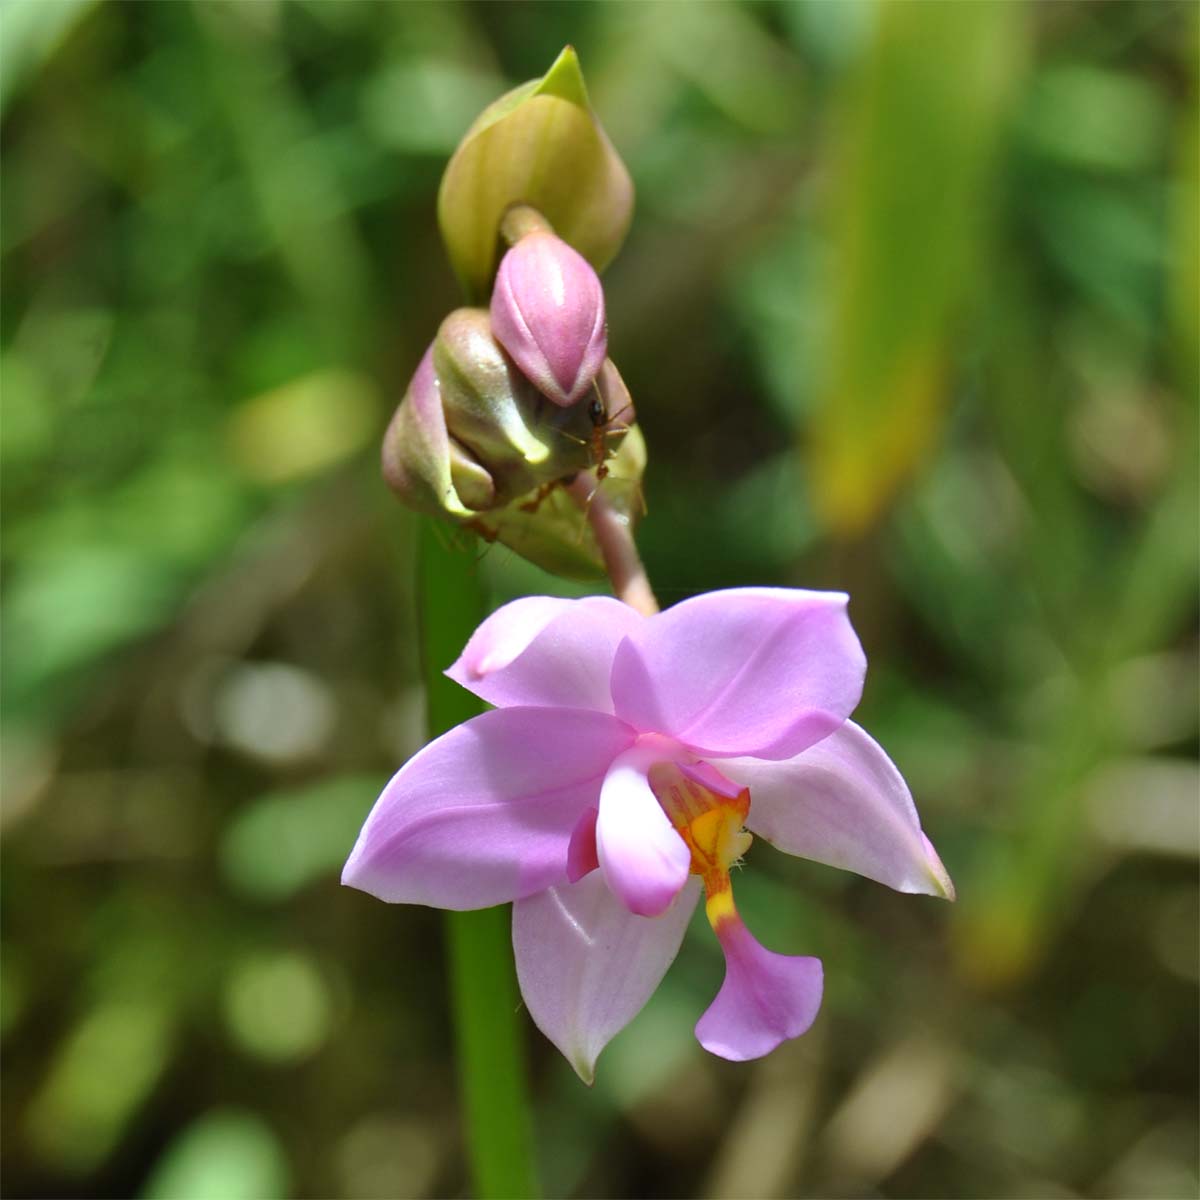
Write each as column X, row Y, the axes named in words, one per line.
column 908, row 308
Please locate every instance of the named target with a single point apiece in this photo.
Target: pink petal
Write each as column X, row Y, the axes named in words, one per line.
column 643, row 860
column 484, row 814
column 545, row 651
column 844, row 803
column 755, row 671
column 587, row 965
column 504, row 635
column 547, row 311
column 766, row 998
column 582, row 857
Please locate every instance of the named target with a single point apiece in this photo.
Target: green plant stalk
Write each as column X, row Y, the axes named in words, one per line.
column 491, row 1066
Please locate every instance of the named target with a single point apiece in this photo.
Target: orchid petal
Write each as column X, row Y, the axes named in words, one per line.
column 504, row 635
column 765, row 999
column 751, row 671
column 843, row 802
column 642, row 857
column 484, row 814
column 582, row 857
column 586, row 965
column 545, row 651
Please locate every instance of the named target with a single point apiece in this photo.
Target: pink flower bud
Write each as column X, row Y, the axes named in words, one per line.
column 548, row 313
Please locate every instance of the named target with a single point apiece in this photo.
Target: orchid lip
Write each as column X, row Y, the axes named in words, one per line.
column 644, row 860
column 766, row 998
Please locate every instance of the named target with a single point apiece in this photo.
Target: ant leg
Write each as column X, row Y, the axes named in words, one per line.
column 635, row 484
column 543, row 492
column 618, row 414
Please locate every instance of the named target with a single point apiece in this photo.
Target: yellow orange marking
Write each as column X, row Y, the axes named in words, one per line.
column 711, row 827
column 719, row 906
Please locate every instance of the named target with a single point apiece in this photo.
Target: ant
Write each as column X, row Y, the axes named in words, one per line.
column 598, row 441
column 597, row 447
column 597, row 444
column 602, row 430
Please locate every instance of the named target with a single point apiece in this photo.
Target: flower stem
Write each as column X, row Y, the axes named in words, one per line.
column 520, row 220
column 614, row 536
column 498, row 1118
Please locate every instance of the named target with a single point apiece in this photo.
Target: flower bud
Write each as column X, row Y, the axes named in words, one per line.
column 539, row 145
column 474, row 441
column 488, row 404
column 470, row 478
column 417, row 453
column 547, row 527
column 473, row 434
column 548, row 313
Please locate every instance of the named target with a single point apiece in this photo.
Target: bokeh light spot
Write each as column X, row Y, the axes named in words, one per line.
column 277, row 1006
column 227, row 1154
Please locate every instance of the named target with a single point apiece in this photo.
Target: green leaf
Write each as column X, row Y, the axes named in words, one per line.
column 918, row 145
column 549, row 529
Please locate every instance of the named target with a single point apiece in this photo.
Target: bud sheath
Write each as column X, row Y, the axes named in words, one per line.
column 541, row 145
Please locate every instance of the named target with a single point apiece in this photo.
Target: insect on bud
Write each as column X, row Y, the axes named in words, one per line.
column 473, row 433
column 475, row 442
column 548, row 313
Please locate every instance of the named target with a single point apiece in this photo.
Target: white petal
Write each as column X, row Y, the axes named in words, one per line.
column 587, row 965
column 642, row 857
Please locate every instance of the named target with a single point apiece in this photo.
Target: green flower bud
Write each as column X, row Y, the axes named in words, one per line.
column 539, row 145
column 548, row 528
column 472, row 483
column 419, row 461
column 474, row 441
column 520, row 437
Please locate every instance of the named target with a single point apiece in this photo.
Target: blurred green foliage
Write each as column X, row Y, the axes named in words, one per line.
column 909, row 307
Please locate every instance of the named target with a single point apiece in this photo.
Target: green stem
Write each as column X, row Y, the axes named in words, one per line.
column 490, row 1060
column 491, row 1065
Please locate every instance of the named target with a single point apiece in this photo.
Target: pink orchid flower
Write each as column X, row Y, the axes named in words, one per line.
column 626, row 760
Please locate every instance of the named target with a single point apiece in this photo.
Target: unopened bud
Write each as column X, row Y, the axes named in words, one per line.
column 417, row 450
column 548, row 313
column 488, row 404
column 548, row 527
column 473, row 434
column 539, row 145
column 472, row 483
